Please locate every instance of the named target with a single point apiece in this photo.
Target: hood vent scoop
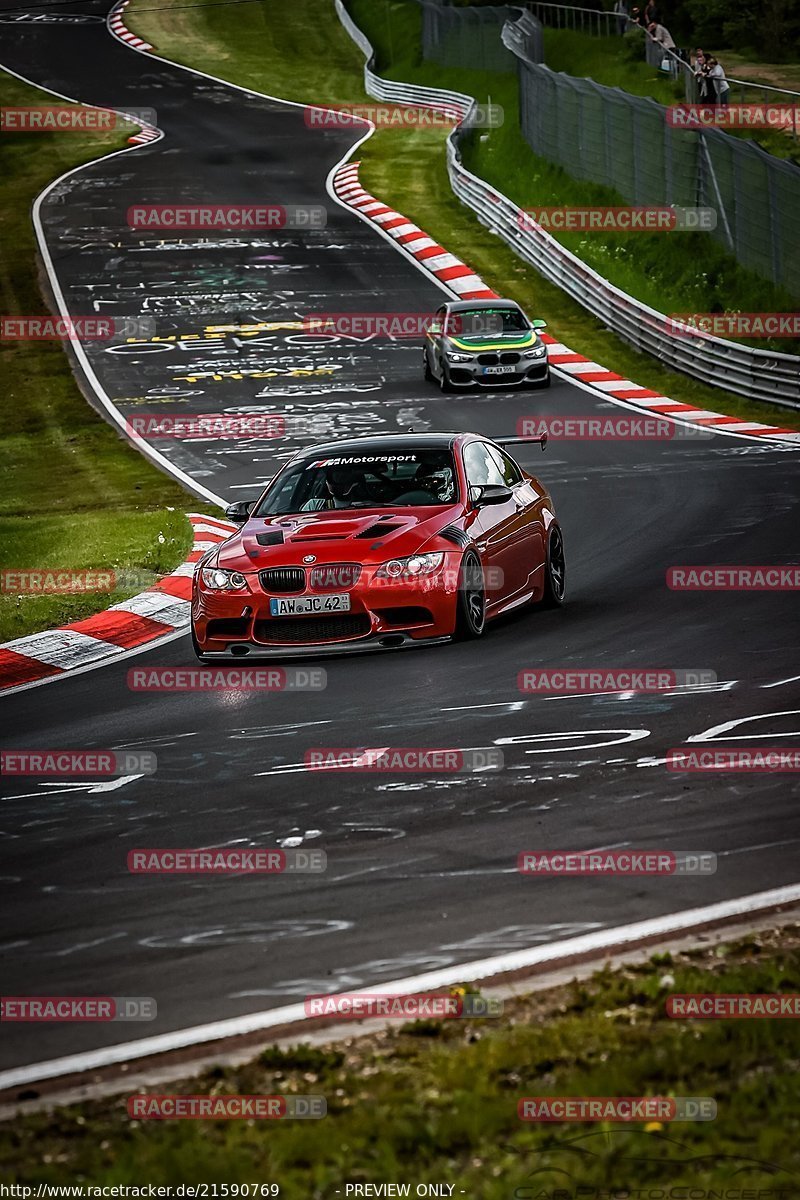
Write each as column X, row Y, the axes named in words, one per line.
column 379, row 529
column 273, row 537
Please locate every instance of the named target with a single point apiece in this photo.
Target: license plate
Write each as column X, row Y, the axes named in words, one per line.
column 308, row 606
column 499, row 370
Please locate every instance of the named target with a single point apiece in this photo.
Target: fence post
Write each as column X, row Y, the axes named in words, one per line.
column 717, row 193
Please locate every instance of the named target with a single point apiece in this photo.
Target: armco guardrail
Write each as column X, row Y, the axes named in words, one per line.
column 755, row 374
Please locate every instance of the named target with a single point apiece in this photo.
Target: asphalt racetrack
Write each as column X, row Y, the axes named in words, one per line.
column 421, row 868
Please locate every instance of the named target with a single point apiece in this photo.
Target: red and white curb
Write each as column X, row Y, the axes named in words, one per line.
column 463, row 281
column 120, row 30
column 450, row 270
column 146, row 134
column 158, row 612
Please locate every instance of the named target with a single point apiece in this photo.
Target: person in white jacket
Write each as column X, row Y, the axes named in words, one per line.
column 718, row 81
column 662, row 36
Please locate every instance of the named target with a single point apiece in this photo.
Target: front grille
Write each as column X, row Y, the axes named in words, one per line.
column 299, row 630
column 283, row 579
column 488, row 360
column 509, row 359
column 332, row 577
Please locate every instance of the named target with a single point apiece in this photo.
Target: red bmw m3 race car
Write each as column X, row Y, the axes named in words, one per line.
column 379, row 542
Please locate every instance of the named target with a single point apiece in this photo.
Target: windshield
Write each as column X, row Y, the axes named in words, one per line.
column 487, row 322
column 369, row 480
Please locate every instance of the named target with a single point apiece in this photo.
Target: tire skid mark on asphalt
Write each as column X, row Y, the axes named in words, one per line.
column 140, row 620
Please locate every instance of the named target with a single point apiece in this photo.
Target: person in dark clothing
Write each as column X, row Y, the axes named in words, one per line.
column 700, row 69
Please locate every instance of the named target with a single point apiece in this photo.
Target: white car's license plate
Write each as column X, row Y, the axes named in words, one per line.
column 308, row 606
column 499, row 370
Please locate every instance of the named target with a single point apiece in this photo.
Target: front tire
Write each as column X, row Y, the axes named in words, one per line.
column 471, row 612
column 545, row 383
column 426, row 367
column 445, row 383
column 555, row 573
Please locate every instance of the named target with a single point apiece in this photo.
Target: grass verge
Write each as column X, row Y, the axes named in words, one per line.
column 436, row 1101
column 73, row 494
column 308, row 59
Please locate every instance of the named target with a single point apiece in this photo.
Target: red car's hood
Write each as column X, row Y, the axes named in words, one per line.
column 351, row 535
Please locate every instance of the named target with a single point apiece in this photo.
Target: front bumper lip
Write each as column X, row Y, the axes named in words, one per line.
column 371, row 645
column 534, row 371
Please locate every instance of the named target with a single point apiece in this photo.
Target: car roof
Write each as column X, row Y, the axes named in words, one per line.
column 471, row 305
column 390, row 441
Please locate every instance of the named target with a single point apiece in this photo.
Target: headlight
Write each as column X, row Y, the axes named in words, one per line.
column 537, row 352
column 411, row 568
column 223, row 581
column 452, row 357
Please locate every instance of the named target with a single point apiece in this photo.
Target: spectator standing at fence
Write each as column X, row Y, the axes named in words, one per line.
column 660, row 34
column 623, row 13
column 700, row 69
column 663, row 38
column 636, row 16
column 652, row 15
column 718, row 82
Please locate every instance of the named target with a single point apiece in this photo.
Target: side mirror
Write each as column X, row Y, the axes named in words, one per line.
column 538, row 324
column 239, row 511
column 490, row 493
column 435, row 327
